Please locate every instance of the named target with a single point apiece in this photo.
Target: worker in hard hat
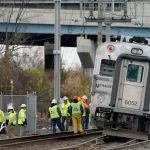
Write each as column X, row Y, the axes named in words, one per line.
column 1, row 117
column 11, row 121
column 2, row 124
column 79, row 99
column 85, row 116
column 76, row 111
column 55, row 115
column 22, row 120
column 65, row 112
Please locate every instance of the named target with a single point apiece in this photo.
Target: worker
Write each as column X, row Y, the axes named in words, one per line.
column 22, row 120
column 65, row 112
column 11, row 121
column 1, row 117
column 90, row 114
column 85, row 116
column 76, row 111
column 2, row 124
column 79, row 99
column 55, row 115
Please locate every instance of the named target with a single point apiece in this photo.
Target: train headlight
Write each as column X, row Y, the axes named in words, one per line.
column 136, row 51
column 101, row 97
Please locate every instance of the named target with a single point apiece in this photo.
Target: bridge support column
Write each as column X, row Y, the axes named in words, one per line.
column 86, row 50
column 48, row 56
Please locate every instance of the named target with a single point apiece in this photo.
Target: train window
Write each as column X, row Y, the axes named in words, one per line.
column 107, row 67
column 135, row 73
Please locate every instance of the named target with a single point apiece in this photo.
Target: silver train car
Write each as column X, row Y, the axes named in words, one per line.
column 120, row 101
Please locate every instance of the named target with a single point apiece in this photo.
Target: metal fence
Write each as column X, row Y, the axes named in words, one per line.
column 30, row 100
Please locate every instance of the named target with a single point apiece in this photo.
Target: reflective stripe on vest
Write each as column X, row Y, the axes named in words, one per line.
column 11, row 118
column 76, row 108
column 21, row 116
column 54, row 112
column 64, row 109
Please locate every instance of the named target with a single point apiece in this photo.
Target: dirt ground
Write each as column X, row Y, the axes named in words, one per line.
column 43, row 125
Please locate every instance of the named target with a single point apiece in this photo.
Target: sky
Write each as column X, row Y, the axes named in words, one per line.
column 69, row 55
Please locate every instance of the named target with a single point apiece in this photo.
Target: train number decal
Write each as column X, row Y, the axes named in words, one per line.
column 128, row 102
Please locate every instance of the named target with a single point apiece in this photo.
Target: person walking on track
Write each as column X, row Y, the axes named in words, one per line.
column 22, row 121
column 85, row 116
column 11, row 121
column 65, row 113
column 55, row 115
column 76, row 111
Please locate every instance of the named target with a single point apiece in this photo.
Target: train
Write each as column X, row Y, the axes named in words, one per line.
column 120, row 95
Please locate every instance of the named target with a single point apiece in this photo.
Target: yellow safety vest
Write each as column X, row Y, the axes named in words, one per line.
column 11, row 117
column 64, row 109
column 54, row 112
column 21, row 116
column 1, row 116
column 76, row 108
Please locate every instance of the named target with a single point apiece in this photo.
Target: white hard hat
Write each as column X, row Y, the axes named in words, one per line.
column 84, row 97
column 65, row 98
column 10, row 107
column 54, row 101
column 23, row 105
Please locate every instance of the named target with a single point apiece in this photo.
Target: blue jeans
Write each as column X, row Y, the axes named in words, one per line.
column 58, row 123
column 85, row 122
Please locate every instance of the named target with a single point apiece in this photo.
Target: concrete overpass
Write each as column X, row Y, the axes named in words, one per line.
column 39, row 33
column 37, row 21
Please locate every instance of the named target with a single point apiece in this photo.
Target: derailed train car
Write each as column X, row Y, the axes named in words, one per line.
column 120, row 102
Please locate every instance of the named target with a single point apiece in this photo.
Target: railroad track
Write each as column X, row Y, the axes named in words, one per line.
column 42, row 139
column 91, row 144
column 93, row 140
column 99, row 144
column 134, row 145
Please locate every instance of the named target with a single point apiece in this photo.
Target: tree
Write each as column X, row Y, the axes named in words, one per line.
column 75, row 83
column 13, row 37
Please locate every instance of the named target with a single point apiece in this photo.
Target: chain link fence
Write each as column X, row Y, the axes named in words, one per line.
column 16, row 100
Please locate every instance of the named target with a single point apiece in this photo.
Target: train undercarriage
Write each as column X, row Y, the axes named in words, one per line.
column 123, row 125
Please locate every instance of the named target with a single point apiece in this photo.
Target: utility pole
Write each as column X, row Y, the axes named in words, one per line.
column 11, row 82
column 112, row 6
column 108, row 21
column 57, row 51
column 100, row 16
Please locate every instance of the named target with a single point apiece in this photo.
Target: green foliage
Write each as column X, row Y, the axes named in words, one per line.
column 41, row 82
column 76, row 83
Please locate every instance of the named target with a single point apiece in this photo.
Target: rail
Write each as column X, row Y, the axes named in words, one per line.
column 77, row 146
column 36, row 139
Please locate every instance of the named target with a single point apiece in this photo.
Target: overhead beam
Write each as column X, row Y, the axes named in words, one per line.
column 104, row 19
column 51, row 1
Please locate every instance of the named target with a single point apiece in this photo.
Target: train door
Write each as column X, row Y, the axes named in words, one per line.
column 133, row 78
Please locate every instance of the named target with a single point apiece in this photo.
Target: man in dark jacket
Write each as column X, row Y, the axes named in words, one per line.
column 55, row 115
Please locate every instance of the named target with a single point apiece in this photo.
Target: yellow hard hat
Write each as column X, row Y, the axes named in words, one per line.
column 79, row 99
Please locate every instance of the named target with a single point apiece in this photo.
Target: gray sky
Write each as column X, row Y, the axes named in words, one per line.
column 69, row 55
